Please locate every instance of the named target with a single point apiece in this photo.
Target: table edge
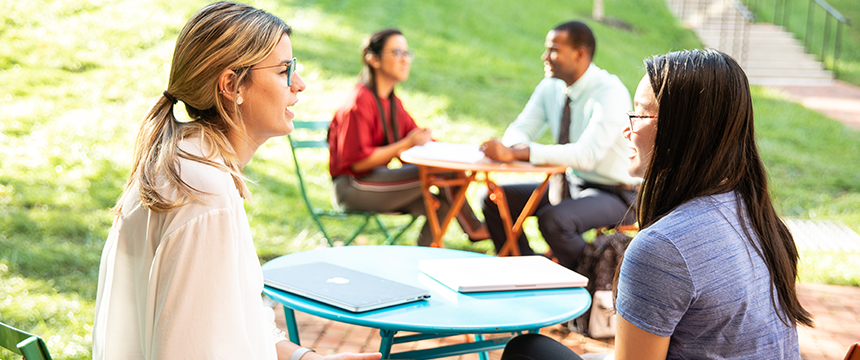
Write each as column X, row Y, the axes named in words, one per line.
column 518, row 166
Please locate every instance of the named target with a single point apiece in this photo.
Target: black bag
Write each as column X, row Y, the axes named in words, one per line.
column 598, row 262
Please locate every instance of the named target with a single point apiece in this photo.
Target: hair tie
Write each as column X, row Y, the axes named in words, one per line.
column 169, row 97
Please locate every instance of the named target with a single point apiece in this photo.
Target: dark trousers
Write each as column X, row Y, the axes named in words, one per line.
column 537, row 347
column 562, row 225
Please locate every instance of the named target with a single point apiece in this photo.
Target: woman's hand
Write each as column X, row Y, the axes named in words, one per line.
column 418, row 137
column 382, row 155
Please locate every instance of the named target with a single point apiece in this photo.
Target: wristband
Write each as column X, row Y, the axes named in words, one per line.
column 301, row 351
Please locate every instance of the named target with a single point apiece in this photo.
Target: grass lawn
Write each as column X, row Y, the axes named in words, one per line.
column 78, row 77
column 848, row 65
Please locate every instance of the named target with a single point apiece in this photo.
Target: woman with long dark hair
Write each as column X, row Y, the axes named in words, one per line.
column 712, row 272
column 372, row 128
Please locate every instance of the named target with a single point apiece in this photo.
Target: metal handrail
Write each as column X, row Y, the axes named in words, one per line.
column 838, row 16
column 743, row 10
column 733, row 36
column 830, row 12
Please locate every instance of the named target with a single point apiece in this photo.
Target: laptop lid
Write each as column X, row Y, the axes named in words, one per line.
column 501, row 273
column 344, row 288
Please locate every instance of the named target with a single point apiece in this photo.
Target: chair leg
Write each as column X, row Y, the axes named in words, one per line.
column 391, row 239
column 317, row 220
column 382, row 226
column 358, row 232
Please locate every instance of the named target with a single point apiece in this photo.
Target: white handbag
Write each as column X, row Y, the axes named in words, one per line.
column 601, row 323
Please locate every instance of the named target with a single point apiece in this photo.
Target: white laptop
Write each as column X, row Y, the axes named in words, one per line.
column 501, row 273
column 341, row 287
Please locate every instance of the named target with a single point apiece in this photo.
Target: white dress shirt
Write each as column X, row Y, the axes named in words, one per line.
column 184, row 284
column 597, row 151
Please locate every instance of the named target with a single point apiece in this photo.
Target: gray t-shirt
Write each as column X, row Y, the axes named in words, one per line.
column 694, row 277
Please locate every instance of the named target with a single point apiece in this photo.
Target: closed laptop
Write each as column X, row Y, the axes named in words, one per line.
column 492, row 273
column 341, row 287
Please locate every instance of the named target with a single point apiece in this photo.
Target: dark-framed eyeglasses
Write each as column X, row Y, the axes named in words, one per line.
column 402, row 54
column 289, row 69
column 633, row 117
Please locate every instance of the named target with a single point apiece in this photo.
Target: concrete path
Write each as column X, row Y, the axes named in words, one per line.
column 836, row 310
column 840, row 101
column 769, row 54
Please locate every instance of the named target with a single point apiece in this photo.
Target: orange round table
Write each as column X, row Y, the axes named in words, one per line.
column 430, row 169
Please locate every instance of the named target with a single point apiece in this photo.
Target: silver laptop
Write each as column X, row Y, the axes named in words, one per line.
column 501, row 273
column 341, row 287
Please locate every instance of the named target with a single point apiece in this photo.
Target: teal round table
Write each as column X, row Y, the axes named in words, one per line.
column 445, row 313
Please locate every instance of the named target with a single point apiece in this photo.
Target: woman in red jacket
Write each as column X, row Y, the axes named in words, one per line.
column 372, row 128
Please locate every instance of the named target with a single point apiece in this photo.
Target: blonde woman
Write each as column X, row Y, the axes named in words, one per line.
column 179, row 275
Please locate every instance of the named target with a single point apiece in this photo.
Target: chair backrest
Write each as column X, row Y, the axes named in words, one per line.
column 319, row 143
column 22, row 343
column 315, row 138
column 310, row 125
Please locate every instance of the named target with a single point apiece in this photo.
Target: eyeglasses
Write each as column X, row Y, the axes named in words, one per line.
column 401, row 54
column 289, row 69
column 631, row 115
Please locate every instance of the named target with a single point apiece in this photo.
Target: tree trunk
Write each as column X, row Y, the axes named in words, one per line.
column 597, row 11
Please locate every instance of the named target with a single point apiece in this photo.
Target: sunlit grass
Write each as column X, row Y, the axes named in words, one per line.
column 813, row 161
column 63, row 319
column 827, row 267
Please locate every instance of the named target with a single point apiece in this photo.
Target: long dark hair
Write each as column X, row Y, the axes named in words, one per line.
column 373, row 47
column 705, row 145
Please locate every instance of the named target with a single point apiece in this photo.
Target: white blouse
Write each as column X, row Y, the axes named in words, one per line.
column 184, row 284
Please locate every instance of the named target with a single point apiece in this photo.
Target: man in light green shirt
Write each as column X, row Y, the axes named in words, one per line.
column 599, row 191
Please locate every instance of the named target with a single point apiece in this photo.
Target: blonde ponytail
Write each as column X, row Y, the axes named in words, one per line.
column 221, row 36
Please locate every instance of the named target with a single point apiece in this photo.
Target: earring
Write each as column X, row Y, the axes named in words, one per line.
column 239, row 100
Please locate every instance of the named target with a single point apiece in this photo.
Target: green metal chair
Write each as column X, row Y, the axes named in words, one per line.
column 22, row 343
column 320, row 142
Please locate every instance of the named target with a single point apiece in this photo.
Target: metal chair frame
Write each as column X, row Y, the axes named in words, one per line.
column 23, row 343
column 391, row 234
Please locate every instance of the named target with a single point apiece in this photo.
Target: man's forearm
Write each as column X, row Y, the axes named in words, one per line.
column 521, row 153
